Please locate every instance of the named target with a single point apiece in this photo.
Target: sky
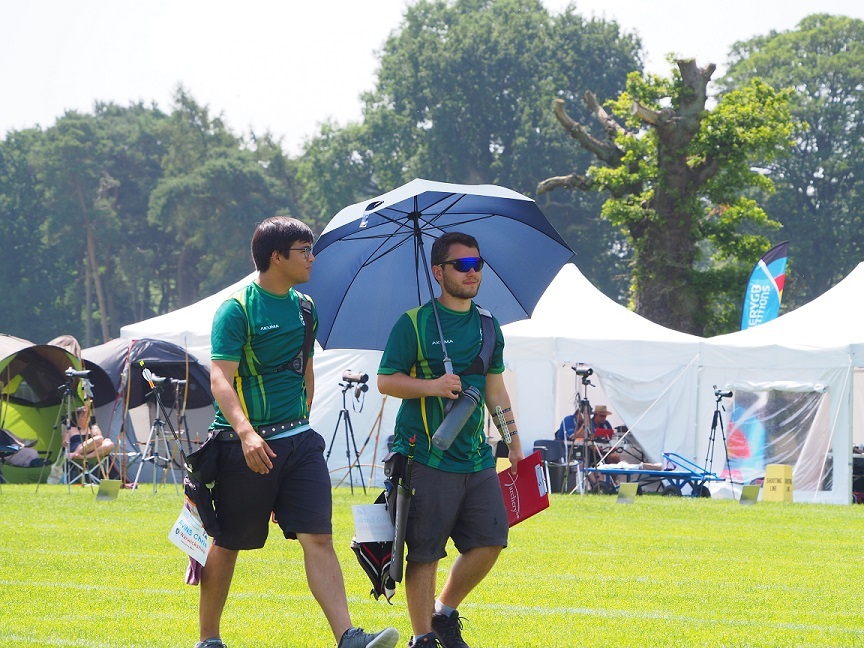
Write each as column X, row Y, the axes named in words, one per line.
column 287, row 66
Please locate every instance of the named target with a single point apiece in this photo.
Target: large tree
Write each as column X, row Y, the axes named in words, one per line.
column 129, row 212
column 73, row 167
column 676, row 176
column 461, row 96
column 32, row 274
column 97, row 172
column 821, row 185
column 214, row 189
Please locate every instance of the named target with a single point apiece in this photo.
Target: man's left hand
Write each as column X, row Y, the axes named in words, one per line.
column 516, row 455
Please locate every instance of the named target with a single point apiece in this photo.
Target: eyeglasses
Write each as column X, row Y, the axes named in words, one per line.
column 307, row 251
column 466, row 264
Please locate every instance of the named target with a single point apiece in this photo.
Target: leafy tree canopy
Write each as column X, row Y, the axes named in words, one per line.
column 679, row 180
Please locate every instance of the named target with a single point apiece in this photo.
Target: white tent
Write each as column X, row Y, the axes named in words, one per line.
column 817, row 349
column 646, row 371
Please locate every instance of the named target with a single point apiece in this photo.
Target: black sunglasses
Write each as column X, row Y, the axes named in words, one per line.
column 466, row 264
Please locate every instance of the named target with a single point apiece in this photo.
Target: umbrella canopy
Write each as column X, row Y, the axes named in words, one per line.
column 372, row 259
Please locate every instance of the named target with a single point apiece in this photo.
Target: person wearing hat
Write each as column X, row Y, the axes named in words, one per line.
column 603, row 433
column 572, row 427
column 602, row 427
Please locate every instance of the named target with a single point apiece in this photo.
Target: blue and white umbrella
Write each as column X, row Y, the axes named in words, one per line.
column 372, row 259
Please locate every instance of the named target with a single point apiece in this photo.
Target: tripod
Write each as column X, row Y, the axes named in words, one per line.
column 345, row 419
column 587, row 435
column 717, row 422
column 157, row 449
column 66, row 419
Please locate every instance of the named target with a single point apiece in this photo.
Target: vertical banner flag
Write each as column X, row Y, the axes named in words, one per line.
column 765, row 288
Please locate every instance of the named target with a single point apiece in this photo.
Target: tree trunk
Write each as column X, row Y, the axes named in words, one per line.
column 94, row 268
column 88, row 304
column 664, row 246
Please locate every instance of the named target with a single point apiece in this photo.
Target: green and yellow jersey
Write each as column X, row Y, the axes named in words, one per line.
column 414, row 348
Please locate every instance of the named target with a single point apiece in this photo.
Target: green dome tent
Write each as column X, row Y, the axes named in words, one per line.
column 32, row 384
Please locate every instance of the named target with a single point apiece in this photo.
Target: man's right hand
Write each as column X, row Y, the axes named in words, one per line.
column 257, row 453
column 447, row 386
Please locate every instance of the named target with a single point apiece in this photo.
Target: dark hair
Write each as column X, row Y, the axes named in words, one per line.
column 441, row 246
column 277, row 234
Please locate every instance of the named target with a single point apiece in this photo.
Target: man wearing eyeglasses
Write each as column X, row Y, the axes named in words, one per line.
column 269, row 459
column 456, row 491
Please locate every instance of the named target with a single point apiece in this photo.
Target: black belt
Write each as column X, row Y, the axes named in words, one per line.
column 265, row 431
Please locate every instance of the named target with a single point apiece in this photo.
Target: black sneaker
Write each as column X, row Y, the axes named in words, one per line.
column 356, row 638
column 426, row 641
column 212, row 642
column 449, row 630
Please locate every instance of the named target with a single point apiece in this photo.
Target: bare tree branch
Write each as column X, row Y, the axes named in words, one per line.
column 607, row 152
column 645, row 114
column 612, row 128
column 572, row 181
column 692, row 75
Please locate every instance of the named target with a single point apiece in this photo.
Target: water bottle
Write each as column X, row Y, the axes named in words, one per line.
column 456, row 418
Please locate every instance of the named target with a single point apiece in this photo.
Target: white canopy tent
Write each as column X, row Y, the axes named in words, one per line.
column 817, row 349
column 646, row 371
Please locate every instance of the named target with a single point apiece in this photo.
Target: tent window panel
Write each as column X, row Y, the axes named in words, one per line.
column 32, row 380
column 780, row 427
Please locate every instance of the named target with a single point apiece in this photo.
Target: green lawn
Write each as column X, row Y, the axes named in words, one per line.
column 586, row 572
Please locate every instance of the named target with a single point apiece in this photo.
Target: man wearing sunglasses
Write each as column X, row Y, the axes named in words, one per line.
column 456, row 491
column 269, row 459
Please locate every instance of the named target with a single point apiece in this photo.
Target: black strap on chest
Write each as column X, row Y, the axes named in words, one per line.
column 481, row 364
column 298, row 363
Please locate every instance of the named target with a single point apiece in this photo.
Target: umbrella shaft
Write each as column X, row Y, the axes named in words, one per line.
column 448, row 364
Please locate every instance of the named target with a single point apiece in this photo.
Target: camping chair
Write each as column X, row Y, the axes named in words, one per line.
column 90, row 470
column 5, row 451
column 87, row 471
column 553, row 452
column 9, row 445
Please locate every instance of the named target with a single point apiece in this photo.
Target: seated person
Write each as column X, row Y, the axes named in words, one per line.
column 567, row 429
column 85, row 440
column 573, row 429
column 604, row 434
column 25, row 458
column 603, row 430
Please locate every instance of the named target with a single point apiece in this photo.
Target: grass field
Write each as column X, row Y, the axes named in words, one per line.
column 586, row 572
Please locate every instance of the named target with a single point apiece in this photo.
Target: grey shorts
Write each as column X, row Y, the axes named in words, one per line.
column 466, row 507
column 297, row 490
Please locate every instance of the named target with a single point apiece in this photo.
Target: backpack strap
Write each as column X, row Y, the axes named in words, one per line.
column 483, row 361
column 309, row 332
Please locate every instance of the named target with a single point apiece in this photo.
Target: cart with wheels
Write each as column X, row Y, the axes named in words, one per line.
column 673, row 481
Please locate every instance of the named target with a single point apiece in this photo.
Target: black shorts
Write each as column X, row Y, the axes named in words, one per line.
column 75, row 442
column 297, row 490
column 466, row 507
